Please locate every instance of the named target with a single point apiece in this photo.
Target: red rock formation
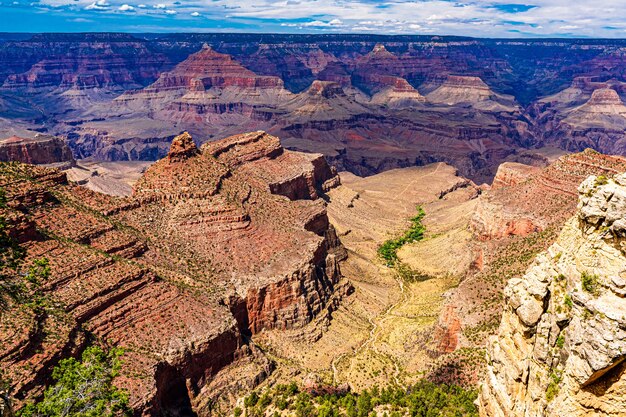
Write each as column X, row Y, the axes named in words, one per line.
column 202, row 252
column 447, row 331
column 208, row 68
column 39, row 150
column 512, row 173
column 92, row 60
column 540, row 198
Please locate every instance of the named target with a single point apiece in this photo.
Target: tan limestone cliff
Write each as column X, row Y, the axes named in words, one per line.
column 561, row 344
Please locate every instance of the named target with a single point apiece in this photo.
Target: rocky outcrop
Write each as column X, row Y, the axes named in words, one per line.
column 398, row 94
column 215, row 244
column 513, row 173
column 590, row 114
column 471, row 90
column 525, row 199
column 561, row 344
column 39, row 150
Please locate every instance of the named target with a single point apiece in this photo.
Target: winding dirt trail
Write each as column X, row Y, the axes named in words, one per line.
column 376, row 324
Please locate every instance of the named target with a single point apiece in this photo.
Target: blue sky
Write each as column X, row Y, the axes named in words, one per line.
column 533, row 18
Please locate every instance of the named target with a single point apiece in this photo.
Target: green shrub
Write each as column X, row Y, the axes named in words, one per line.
column 560, row 341
column 251, row 400
column 553, row 386
column 567, row 300
column 83, row 388
column 601, row 180
column 589, row 282
column 237, row 411
column 388, row 251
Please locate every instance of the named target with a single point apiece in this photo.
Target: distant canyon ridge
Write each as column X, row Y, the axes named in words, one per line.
column 368, row 103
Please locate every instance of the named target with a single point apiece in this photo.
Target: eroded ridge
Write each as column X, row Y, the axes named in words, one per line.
column 216, row 244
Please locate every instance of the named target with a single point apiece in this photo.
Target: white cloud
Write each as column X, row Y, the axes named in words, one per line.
column 600, row 18
column 171, row 12
column 195, row 14
column 126, row 8
column 320, row 23
column 98, row 5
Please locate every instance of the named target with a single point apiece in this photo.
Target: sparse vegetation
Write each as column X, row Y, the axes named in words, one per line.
column 601, row 180
column 560, row 341
column 83, row 388
column 589, row 282
column 388, row 251
column 11, row 255
column 553, row 386
column 567, row 300
column 425, row 399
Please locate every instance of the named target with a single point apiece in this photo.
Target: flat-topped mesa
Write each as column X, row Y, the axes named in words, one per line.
column 470, row 90
column 464, row 81
column 182, row 147
column 39, row 150
column 605, row 100
column 323, row 100
column 513, row 173
column 461, row 89
column 559, row 350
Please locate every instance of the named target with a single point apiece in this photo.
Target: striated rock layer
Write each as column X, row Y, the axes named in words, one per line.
column 215, row 244
column 40, row 150
column 561, row 344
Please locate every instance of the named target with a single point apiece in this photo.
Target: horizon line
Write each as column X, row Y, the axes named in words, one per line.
column 537, row 38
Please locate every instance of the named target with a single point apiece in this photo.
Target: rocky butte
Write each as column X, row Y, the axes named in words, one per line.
column 215, row 244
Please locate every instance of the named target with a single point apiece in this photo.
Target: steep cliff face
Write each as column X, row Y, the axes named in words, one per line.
column 216, row 243
column 97, row 60
column 41, row 150
column 561, row 344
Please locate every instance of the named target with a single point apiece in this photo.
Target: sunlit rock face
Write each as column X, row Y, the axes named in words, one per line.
column 560, row 346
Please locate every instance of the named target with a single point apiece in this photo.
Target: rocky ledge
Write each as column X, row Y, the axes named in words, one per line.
column 561, row 344
column 216, row 244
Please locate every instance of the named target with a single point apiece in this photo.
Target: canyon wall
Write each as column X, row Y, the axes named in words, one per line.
column 560, row 346
column 368, row 103
column 215, row 244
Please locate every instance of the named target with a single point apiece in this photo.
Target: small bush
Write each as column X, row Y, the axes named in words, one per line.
column 553, row 386
column 251, row 400
column 589, row 282
column 83, row 388
column 601, row 180
column 567, row 300
column 560, row 341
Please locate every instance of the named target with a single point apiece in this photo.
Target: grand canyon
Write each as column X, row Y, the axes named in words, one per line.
column 312, row 225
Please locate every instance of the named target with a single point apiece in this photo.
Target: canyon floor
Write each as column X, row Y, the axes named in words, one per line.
column 381, row 334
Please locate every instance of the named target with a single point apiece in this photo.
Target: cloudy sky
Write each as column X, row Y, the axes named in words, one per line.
column 484, row 18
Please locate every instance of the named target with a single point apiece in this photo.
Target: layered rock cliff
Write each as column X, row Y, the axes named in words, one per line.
column 560, row 347
column 215, row 245
column 40, row 150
